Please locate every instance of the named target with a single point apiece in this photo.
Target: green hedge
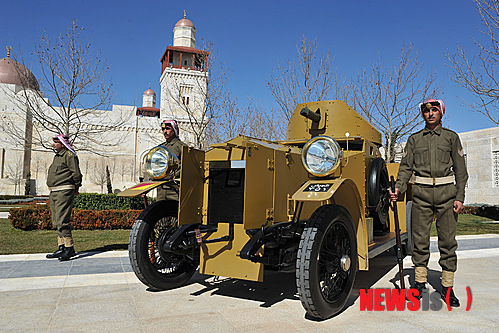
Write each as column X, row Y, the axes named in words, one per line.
column 94, row 201
column 38, row 217
column 485, row 210
column 8, row 197
column 91, row 211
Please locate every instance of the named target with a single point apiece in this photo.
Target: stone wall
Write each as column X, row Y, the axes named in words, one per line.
column 483, row 183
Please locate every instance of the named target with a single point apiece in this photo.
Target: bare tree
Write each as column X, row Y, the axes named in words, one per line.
column 389, row 96
column 259, row 123
column 73, row 96
column 227, row 125
column 478, row 74
column 123, row 166
column 201, row 96
column 310, row 76
column 98, row 175
column 40, row 165
column 251, row 120
column 14, row 172
column 87, row 165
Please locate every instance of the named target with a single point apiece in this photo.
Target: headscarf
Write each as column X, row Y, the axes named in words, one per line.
column 171, row 123
column 65, row 141
column 436, row 103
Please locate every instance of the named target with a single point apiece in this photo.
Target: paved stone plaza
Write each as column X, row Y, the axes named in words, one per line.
column 98, row 292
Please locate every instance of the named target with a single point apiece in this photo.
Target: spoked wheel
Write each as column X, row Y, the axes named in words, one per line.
column 378, row 195
column 156, row 268
column 326, row 261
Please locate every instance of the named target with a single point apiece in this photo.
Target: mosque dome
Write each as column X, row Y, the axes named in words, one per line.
column 185, row 23
column 12, row 72
column 149, row 92
column 184, row 33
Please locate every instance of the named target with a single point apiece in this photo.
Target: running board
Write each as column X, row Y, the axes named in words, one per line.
column 381, row 246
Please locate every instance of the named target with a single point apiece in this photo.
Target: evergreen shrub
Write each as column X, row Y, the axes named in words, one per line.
column 8, row 197
column 95, row 201
column 38, row 217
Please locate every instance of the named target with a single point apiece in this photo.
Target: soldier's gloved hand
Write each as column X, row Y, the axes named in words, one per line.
column 394, row 195
column 458, row 206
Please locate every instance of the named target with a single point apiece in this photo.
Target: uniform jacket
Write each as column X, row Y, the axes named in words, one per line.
column 434, row 153
column 64, row 170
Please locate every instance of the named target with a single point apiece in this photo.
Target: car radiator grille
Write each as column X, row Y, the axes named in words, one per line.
column 226, row 195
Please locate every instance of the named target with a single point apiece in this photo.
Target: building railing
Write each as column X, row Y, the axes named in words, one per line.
column 192, row 68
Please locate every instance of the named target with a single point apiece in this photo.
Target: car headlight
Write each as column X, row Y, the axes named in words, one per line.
column 321, row 156
column 160, row 162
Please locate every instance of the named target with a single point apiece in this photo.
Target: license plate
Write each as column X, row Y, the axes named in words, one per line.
column 318, row 188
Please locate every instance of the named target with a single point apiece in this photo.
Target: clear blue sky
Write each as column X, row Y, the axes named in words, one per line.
column 253, row 36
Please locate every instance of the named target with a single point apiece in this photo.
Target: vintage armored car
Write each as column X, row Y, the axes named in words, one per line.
column 316, row 203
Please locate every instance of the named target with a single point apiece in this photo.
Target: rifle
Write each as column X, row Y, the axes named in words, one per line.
column 397, row 234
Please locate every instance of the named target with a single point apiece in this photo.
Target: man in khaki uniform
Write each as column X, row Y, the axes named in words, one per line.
column 174, row 144
column 436, row 158
column 63, row 180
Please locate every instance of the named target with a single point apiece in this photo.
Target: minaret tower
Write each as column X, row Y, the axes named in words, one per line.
column 184, row 33
column 184, row 80
column 149, row 98
column 148, row 108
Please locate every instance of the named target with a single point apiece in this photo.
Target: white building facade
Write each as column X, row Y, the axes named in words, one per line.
column 138, row 130
column 482, row 159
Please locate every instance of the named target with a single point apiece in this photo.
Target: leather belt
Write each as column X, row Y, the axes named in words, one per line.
column 61, row 188
column 434, row 181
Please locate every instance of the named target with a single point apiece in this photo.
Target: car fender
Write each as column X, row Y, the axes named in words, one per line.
column 344, row 192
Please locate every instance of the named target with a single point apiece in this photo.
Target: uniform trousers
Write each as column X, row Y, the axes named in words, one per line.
column 437, row 202
column 61, row 206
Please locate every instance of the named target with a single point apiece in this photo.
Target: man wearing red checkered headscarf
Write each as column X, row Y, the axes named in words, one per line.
column 170, row 130
column 435, row 156
column 63, row 180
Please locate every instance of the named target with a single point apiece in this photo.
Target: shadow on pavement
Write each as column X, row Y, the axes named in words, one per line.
column 112, row 247
column 278, row 286
column 275, row 288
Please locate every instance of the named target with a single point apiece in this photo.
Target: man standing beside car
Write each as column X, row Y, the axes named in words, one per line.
column 436, row 158
column 170, row 131
column 63, row 180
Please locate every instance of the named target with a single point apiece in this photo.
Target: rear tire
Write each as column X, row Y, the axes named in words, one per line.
column 153, row 270
column 326, row 261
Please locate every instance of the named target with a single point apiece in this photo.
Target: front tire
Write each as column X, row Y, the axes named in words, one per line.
column 326, row 261
column 158, row 271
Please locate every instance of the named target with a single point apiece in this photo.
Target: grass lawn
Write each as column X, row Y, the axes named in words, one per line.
column 472, row 225
column 14, row 241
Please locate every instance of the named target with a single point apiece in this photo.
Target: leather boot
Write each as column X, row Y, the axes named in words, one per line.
column 419, row 286
column 67, row 253
column 56, row 254
column 454, row 302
